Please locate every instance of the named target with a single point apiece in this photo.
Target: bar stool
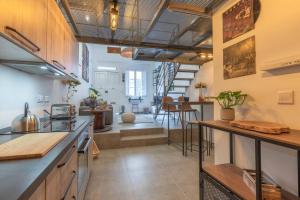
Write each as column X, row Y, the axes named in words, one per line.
column 208, row 146
column 186, row 108
column 169, row 108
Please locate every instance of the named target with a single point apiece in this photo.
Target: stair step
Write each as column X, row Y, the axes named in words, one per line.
column 144, row 140
column 183, row 79
column 176, row 92
column 140, row 132
column 181, row 86
column 188, row 70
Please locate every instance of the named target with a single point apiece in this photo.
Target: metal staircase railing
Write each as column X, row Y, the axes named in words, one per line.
column 163, row 78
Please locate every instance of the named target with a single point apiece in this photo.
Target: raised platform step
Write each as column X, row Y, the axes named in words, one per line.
column 139, row 132
column 188, row 70
column 183, row 79
column 144, row 140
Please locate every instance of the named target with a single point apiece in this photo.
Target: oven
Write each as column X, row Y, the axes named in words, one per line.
column 84, row 150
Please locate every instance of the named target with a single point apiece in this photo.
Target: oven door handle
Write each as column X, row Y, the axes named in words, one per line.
column 86, row 146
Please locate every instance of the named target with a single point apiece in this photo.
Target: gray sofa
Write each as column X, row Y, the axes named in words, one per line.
column 86, row 105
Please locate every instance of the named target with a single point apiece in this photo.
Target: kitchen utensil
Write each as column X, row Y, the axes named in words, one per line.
column 30, row 145
column 26, row 122
column 263, row 127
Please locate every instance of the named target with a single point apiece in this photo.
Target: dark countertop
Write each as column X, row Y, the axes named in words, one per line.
column 20, row 178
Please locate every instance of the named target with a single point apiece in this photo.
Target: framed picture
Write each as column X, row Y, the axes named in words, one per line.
column 239, row 59
column 239, row 19
column 85, row 63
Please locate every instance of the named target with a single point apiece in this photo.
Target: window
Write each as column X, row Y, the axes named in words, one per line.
column 135, row 83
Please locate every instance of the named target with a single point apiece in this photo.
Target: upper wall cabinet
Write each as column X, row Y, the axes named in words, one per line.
column 55, row 36
column 61, row 42
column 25, row 23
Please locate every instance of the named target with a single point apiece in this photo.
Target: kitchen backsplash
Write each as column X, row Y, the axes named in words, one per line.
column 17, row 87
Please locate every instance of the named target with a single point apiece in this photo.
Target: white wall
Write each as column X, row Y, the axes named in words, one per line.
column 277, row 35
column 102, row 58
column 17, row 87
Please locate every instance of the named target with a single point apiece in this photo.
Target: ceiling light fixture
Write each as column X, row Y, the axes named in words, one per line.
column 87, row 18
column 127, row 52
column 44, row 67
column 102, row 68
column 114, row 16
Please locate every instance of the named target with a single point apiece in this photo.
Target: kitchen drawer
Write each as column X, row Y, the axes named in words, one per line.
column 68, row 167
column 71, row 193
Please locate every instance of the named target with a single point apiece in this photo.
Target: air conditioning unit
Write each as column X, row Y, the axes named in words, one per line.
column 289, row 61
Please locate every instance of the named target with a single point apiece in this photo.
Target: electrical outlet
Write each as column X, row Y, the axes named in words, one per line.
column 286, row 97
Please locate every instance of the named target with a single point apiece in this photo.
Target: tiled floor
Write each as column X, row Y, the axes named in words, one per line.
column 144, row 173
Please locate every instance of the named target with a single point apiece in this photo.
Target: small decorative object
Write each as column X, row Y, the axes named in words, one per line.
column 201, row 87
column 94, row 94
column 239, row 59
column 260, row 126
column 227, row 100
column 240, row 18
column 270, row 190
column 71, row 90
column 128, row 117
column 103, row 105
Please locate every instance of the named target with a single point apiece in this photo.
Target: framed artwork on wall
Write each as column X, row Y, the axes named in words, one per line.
column 240, row 59
column 240, row 18
column 85, row 63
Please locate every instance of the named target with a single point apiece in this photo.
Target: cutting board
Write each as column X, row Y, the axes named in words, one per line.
column 33, row 145
column 260, row 126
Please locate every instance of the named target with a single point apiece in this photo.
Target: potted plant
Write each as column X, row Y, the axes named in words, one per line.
column 94, row 94
column 227, row 100
column 71, row 90
column 200, row 86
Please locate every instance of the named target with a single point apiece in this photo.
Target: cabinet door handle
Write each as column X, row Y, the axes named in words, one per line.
column 22, row 39
column 58, row 64
column 70, row 156
column 86, row 146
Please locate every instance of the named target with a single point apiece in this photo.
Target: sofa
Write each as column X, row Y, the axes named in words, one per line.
column 87, row 104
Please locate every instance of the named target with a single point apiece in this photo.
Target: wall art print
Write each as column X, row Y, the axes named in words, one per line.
column 85, row 63
column 239, row 19
column 240, row 59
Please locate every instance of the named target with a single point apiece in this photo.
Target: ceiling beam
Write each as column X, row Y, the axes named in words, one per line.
column 202, row 38
column 129, row 43
column 162, row 6
column 182, row 61
column 186, row 29
column 67, row 9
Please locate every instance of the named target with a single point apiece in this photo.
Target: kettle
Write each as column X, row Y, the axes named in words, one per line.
column 26, row 122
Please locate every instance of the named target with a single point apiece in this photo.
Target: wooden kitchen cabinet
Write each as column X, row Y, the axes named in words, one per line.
column 71, row 51
column 55, row 36
column 40, row 192
column 25, row 23
column 63, row 177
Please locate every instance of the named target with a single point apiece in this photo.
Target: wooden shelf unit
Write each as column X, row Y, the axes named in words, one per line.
column 229, row 175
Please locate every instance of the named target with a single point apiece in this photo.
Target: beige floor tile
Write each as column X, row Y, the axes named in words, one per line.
column 144, row 173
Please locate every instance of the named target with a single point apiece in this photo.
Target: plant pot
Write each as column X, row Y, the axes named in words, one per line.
column 227, row 114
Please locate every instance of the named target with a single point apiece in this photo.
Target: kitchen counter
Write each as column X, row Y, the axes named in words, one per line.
column 20, row 178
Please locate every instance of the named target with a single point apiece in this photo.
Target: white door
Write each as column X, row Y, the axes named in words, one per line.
column 109, row 84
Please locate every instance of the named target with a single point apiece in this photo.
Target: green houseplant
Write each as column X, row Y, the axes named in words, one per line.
column 228, row 100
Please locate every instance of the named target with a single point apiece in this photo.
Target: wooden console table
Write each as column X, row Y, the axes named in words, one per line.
column 228, row 177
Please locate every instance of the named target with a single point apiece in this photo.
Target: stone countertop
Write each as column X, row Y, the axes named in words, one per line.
column 20, row 178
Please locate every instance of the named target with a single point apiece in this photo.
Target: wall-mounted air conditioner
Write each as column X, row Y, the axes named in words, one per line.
column 289, row 61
